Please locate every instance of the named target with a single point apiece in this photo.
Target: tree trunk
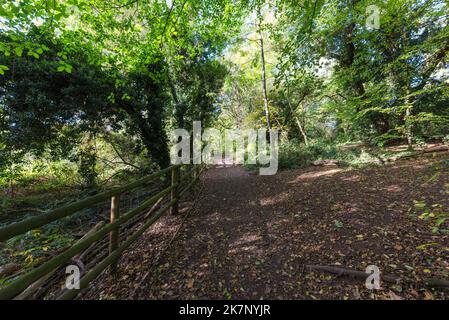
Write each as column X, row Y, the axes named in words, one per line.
column 408, row 111
column 298, row 123
column 180, row 107
column 408, row 127
column 264, row 78
column 152, row 134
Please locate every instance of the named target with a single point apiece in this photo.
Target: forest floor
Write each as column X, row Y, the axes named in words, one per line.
column 250, row 236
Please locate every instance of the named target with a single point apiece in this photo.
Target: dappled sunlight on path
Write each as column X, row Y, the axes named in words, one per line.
column 250, row 236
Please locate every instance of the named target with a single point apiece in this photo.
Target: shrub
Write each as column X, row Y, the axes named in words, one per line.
column 293, row 154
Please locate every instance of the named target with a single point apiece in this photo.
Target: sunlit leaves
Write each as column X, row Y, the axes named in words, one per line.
column 378, row 74
column 18, row 50
column 64, row 67
column 3, row 69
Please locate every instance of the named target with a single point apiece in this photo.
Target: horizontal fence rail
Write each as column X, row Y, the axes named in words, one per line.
column 15, row 229
column 138, row 220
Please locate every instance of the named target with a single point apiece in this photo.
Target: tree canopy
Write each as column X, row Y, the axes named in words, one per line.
column 74, row 70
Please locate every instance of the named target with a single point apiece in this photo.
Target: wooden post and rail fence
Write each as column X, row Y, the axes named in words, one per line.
column 117, row 244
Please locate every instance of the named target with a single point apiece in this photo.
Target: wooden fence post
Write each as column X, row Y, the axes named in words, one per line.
column 174, row 192
column 114, row 234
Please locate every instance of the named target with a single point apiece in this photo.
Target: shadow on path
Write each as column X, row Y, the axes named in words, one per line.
column 249, row 236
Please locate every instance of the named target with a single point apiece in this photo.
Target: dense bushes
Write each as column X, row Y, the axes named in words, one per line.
column 296, row 155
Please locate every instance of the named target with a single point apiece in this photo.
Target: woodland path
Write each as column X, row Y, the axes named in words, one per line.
column 249, row 236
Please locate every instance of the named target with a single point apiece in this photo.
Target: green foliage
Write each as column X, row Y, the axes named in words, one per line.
column 81, row 67
column 435, row 215
column 87, row 161
column 35, row 246
column 87, row 69
column 372, row 76
column 293, row 154
column 338, row 224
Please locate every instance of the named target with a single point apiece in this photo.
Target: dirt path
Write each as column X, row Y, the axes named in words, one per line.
column 250, row 236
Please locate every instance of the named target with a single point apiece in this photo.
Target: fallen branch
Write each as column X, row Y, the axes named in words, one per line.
column 436, row 149
column 430, row 282
column 32, row 289
column 436, row 283
column 153, row 208
column 352, row 273
column 78, row 259
column 327, row 162
column 8, row 269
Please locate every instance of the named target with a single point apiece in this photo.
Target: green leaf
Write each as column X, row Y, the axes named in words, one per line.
column 2, row 69
column 18, row 51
